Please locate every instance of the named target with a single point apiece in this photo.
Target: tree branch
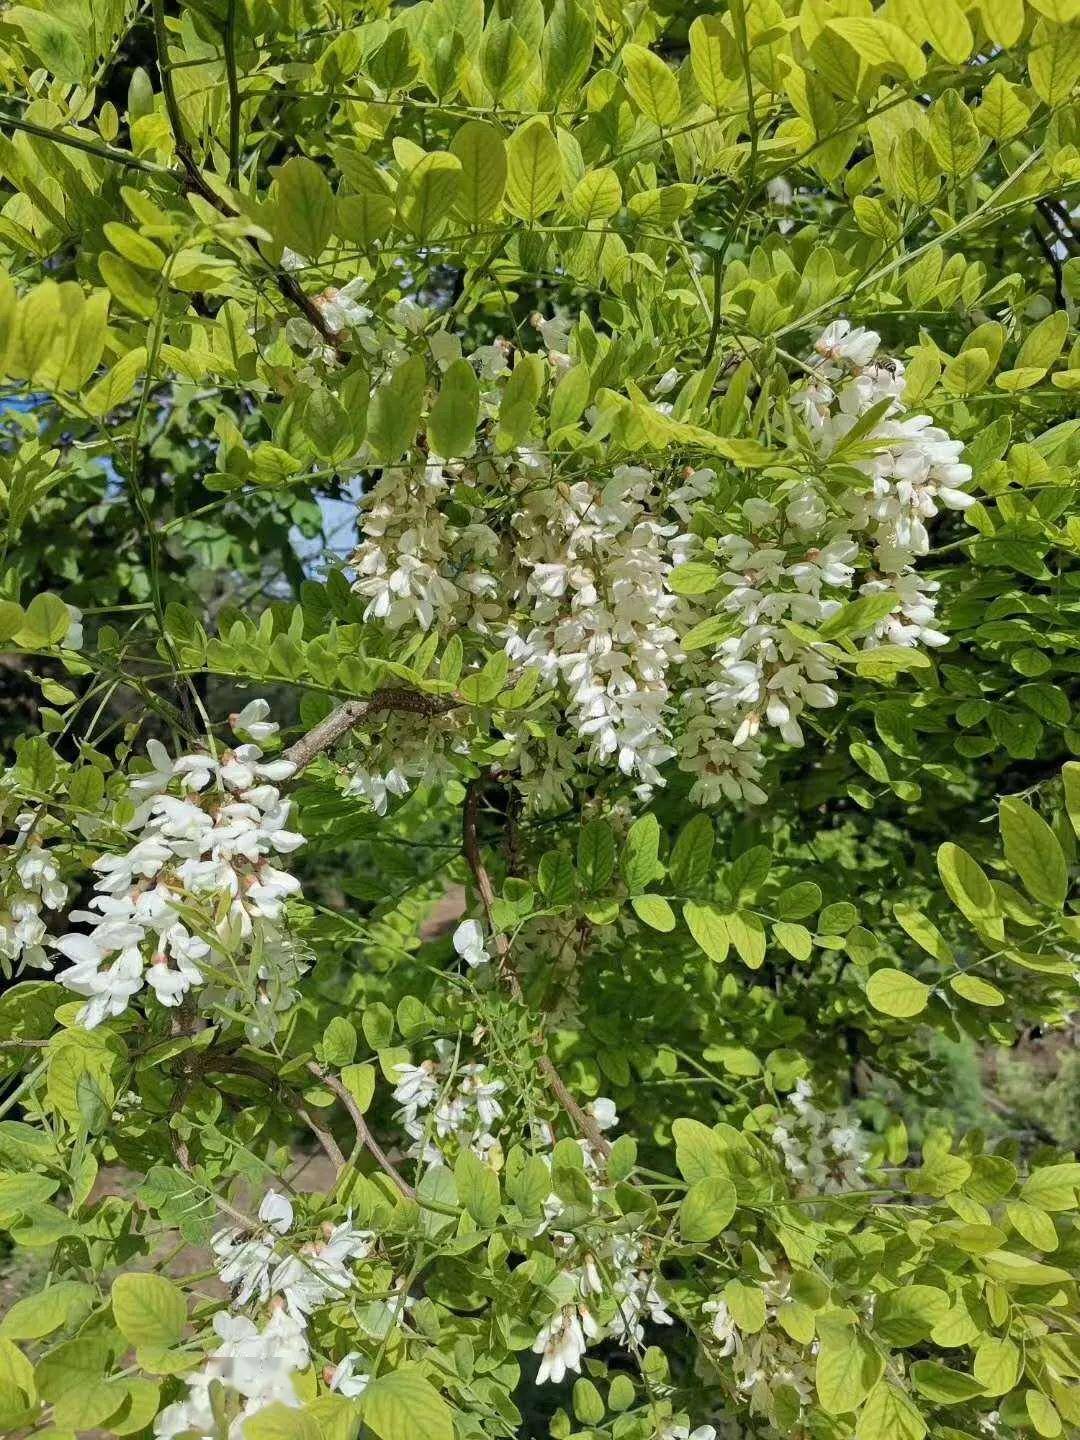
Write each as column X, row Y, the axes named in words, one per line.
column 195, row 180
column 347, row 716
column 470, row 844
column 363, row 1134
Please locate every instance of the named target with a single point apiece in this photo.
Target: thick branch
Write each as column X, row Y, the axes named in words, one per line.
column 470, row 844
column 347, row 716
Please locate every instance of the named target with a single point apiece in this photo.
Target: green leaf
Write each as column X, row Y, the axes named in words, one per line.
column 881, row 44
column 924, row 932
column 846, row 1368
column 942, row 1385
column 46, row 622
column 567, row 49
column 943, row 24
column 402, row 1405
column 713, row 59
column 638, row 861
column 451, row 425
column 1044, row 1417
column 597, row 195
column 481, row 151
column 953, row 135
column 978, row 991
column 596, row 854
column 1052, row 1187
column 747, row 1305
column 534, row 174
column 654, row 911
column 556, row 878
column 505, row 60
column 305, row 207
column 907, row 1315
column 55, row 44
column 427, row 193
column 968, row 888
column 894, row 992
column 359, row 1080
column 798, row 901
column 279, row 1421
column 652, row 85
column 997, row 1365
column 747, row 934
column 889, row 1415
column 1019, row 1270
column 65, row 1303
column 707, row 1209
column 691, row 855
column 1032, row 849
column 570, row 397
column 699, row 1151
column 693, row 578
column 1033, row 1225
column 518, row 407
column 338, row 1042
column 1043, row 345
column 394, row 414
column 795, row 939
column 148, row 1309
column 477, row 1188
column 708, row 925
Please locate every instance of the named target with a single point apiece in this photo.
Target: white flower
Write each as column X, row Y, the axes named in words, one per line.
column 723, row 1326
column 839, row 341
column 73, row 639
column 252, row 722
column 603, row 1112
column 209, row 849
column 562, row 1343
column 350, row 1377
column 469, row 943
column 276, row 1211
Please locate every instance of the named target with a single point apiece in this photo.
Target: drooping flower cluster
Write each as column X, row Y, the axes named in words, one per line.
column 257, row 1268
column 198, row 889
column 606, row 1288
column 252, row 1367
column 32, row 884
column 572, row 578
column 444, row 1104
column 824, row 1153
column 795, row 563
column 769, row 1370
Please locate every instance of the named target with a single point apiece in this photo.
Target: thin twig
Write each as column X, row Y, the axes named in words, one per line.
column 583, row 1122
column 347, row 716
column 363, row 1134
column 331, row 1148
column 229, row 39
column 196, row 181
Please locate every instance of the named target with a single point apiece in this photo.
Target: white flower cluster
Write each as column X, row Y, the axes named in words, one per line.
column 198, row 884
column 32, row 884
column 612, row 1278
column 441, row 1101
column 257, row 1268
column 796, row 563
column 255, row 1367
column 446, row 1105
column 823, row 1153
column 572, row 578
column 767, row 1366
